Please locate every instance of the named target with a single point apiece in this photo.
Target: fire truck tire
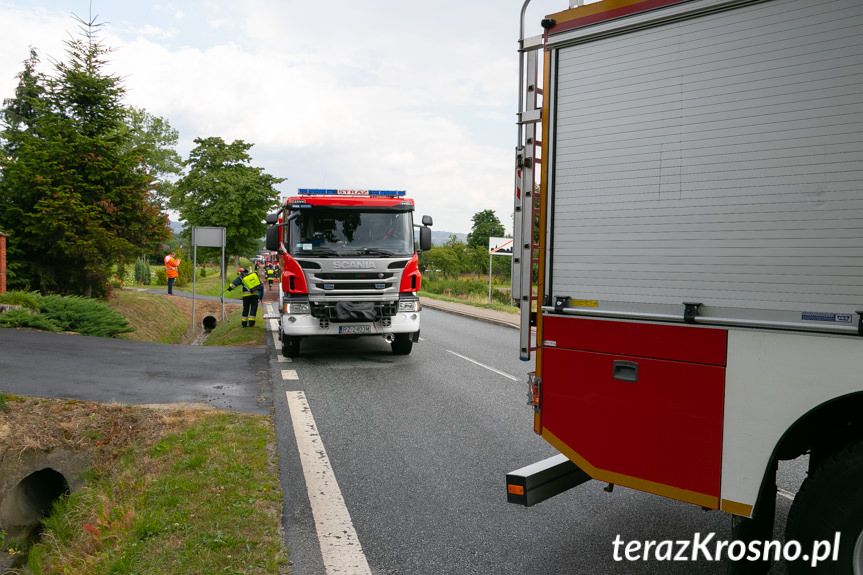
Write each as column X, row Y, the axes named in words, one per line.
column 402, row 344
column 830, row 501
column 290, row 346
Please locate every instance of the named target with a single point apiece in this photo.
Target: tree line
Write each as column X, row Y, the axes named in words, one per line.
column 85, row 181
column 455, row 258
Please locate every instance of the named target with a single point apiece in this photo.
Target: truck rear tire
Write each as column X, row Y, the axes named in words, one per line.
column 402, row 344
column 830, row 501
column 290, row 346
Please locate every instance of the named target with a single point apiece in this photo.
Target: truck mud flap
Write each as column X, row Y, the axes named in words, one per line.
column 539, row 481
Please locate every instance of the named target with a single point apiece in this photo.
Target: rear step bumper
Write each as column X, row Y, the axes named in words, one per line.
column 539, row 481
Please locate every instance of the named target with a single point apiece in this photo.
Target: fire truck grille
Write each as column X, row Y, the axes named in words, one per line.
column 326, row 312
column 354, row 286
column 354, row 276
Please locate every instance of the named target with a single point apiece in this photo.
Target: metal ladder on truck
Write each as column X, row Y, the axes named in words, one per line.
column 524, row 254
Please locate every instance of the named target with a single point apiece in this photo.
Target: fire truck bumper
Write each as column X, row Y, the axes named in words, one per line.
column 539, row 481
column 307, row 325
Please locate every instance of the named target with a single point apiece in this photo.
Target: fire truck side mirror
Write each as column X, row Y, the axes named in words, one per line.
column 427, row 220
column 272, row 219
column 273, row 242
column 425, row 237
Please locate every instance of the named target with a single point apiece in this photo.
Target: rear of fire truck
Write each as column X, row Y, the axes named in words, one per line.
column 349, row 266
column 689, row 260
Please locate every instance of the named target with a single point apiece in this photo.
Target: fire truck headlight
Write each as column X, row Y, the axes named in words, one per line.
column 409, row 305
column 298, row 307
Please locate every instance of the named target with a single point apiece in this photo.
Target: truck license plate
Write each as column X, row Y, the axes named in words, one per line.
column 354, row 329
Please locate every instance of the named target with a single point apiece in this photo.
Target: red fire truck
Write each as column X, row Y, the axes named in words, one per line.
column 689, row 202
column 348, row 266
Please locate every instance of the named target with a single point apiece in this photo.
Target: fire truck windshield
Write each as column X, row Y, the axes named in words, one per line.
column 330, row 232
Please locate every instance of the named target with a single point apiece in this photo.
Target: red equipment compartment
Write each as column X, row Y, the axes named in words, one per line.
column 661, row 433
column 672, row 342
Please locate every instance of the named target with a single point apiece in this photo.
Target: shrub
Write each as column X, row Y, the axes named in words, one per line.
column 142, row 272
column 23, row 318
column 85, row 316
column 455, row 287
column 161, row 277
column 29, row 300
column 501, row 296
column 185, row 271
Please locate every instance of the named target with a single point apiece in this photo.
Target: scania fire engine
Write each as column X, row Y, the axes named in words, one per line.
column 689, row 199
column 349, row 266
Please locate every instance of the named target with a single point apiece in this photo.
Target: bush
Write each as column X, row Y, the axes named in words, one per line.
column 142, row 272
column 501, row 296
column 161, row 277
column 454, row 287
column 23, row 318
column 29, row 300
column 185, row 271
column 85, row 316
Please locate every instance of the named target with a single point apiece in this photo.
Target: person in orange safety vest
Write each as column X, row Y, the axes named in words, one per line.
column 171, row 266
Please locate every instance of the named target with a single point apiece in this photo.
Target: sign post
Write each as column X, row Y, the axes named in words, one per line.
column 499, row 247
column 211, row 238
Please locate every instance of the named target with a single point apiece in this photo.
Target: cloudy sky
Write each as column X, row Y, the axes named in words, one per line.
column 371, row 94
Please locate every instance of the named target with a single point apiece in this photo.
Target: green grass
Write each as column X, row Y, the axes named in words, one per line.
column 231, row 332
column 205, row 499
column 153, row 317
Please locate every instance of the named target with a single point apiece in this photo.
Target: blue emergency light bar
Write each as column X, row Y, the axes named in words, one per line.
column 318, row 192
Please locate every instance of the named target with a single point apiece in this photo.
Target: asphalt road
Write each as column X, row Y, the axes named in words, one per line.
column 40, row 364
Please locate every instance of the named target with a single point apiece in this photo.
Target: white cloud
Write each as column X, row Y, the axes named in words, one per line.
column 378, row 94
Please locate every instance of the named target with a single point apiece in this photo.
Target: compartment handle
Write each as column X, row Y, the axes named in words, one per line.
column 625, row 371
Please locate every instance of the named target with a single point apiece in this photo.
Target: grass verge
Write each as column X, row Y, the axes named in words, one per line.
column 472, row 300
column 231, row 332
column 153, row 317
column 203, row 499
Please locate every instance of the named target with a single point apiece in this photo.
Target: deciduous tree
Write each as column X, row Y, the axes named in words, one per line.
column 222, row 189
column 485, row 226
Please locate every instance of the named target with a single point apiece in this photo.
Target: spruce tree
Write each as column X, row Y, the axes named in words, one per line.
column 77, row 194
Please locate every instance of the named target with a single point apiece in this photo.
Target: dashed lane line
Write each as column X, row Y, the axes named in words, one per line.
column 340, row 547
column 290, row 375
column 497, row 371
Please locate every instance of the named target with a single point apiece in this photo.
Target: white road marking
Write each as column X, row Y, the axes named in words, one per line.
column 483, row 365
column 785, row 494
column 340, row 548
column 289, row 374
column 282, row 358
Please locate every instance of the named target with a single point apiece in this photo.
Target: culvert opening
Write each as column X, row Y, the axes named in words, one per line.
column 209, row 323
column 32, row 499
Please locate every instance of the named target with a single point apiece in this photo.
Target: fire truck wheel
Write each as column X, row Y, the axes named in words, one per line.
column 290, row 346
column 402, row 344
column 830, row 501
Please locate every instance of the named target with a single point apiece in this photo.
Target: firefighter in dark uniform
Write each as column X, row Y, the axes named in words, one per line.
column 270, row 270
column 253, row 292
